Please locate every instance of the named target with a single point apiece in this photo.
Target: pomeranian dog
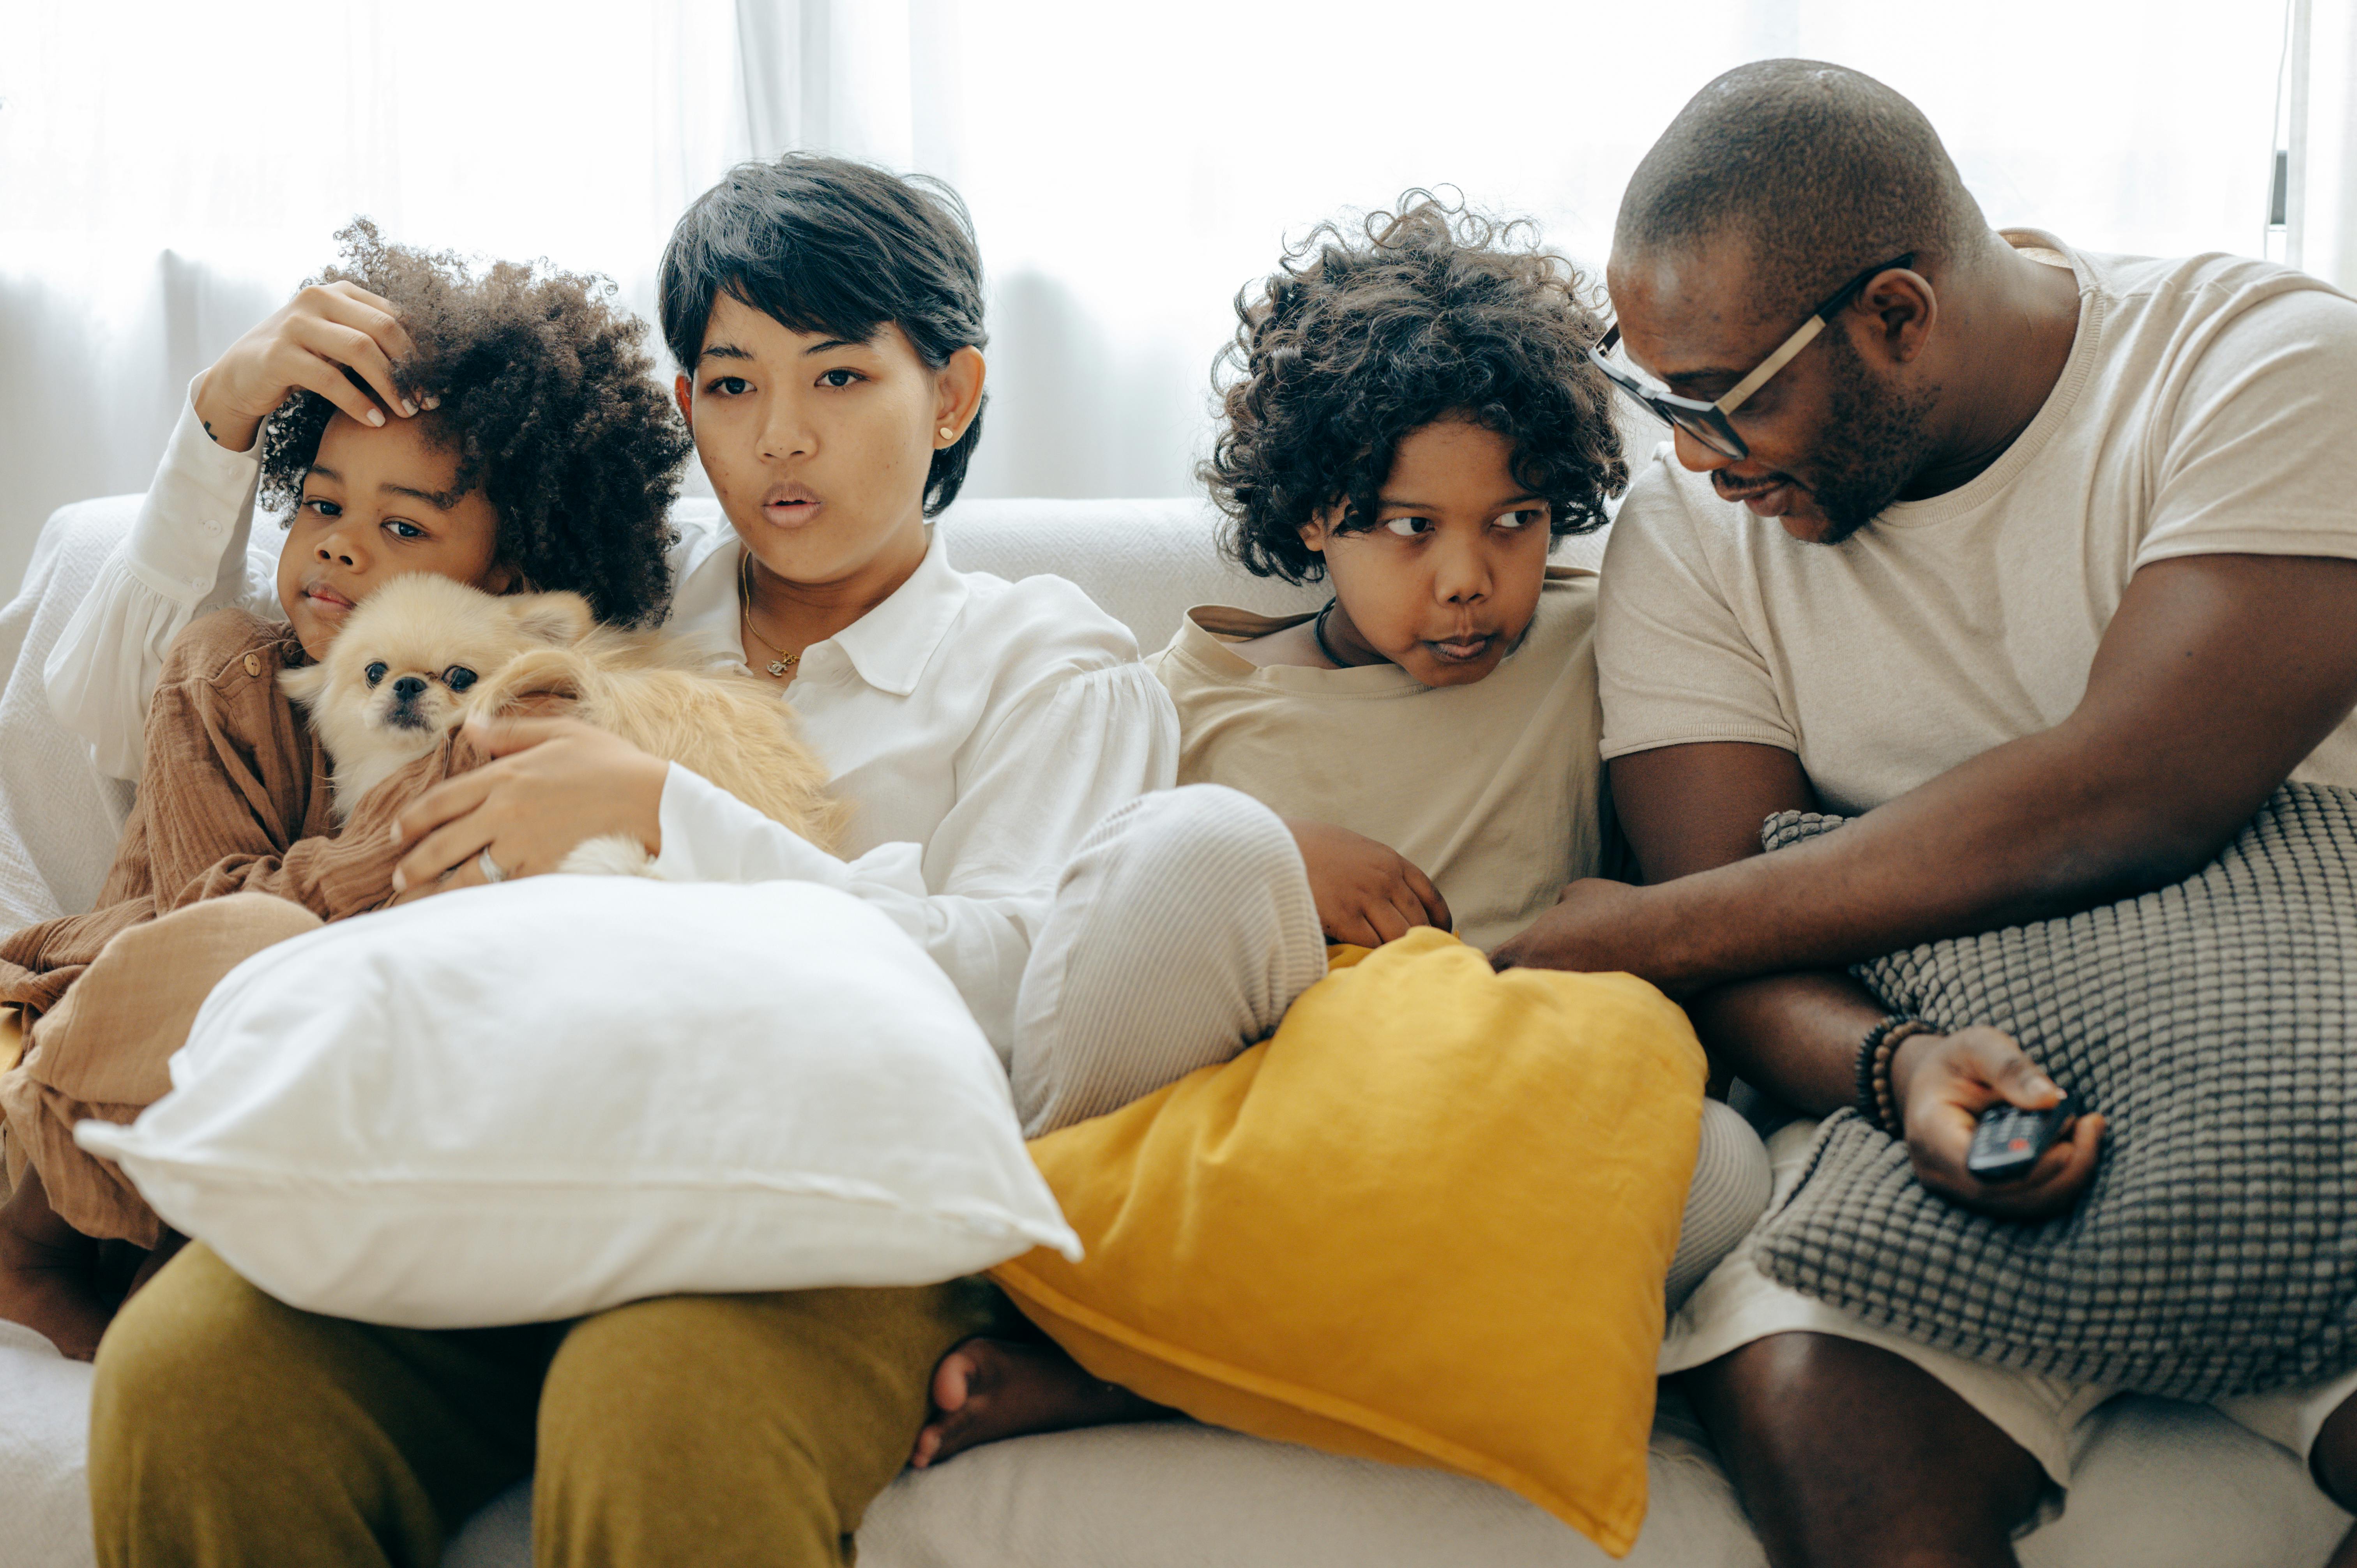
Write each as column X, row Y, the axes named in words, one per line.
column 424, row 654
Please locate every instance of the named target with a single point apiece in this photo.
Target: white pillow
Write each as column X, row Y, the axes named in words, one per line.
column 526, row 1102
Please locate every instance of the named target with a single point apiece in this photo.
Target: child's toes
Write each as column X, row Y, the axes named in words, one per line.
column 929, row 1443
column 953, row 1378
column 953, row 1390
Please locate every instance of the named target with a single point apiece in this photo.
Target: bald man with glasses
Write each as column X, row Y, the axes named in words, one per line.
column 2040, row 564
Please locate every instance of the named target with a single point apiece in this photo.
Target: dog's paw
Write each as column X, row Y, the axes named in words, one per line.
column 614, row 855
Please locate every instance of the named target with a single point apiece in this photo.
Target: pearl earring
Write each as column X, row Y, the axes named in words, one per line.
column 947, row 433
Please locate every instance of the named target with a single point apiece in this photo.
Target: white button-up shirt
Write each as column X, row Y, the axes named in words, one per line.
column 978, row 728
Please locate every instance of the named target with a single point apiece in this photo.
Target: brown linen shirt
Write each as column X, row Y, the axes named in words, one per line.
column 234, row 800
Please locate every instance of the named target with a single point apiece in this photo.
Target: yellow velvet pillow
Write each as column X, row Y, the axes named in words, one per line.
column 1426, row 1222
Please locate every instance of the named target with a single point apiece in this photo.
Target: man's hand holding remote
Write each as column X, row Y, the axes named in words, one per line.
column 1943, row 1082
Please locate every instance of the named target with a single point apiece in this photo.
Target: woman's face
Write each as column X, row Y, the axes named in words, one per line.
column 1446, row 581
column 818, row 448
column 377, row 505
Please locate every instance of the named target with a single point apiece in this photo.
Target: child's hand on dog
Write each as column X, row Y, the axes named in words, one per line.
column 309, row 344
column 1367, row 893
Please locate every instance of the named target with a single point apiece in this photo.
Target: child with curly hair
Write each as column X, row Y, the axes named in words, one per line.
column 1413, row 418
column 503, row 430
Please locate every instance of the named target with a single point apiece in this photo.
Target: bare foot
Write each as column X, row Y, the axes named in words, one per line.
column 987, row 1389
column 48, row 1287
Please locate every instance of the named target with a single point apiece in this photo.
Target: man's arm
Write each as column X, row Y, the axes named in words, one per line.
column 1688, row 809
column 2216, row 677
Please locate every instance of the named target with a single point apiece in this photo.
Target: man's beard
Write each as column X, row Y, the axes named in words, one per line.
column 1873, row 445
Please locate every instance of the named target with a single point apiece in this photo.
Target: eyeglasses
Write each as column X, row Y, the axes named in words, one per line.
column 1708, row 422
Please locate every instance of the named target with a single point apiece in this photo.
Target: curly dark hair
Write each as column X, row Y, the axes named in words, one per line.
column 550, row 402
column 1361, row 338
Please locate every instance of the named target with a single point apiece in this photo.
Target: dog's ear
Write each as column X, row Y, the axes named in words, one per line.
column 531, row 685
column 305, row 685
column 550, row 618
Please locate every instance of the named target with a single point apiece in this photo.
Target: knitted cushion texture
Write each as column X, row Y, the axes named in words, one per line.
column 2212, row 1023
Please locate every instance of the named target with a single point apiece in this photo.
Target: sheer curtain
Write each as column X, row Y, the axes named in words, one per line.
column 2318, row 120
column 168, row 172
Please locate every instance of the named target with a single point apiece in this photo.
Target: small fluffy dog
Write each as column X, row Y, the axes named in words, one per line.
column 424, row 654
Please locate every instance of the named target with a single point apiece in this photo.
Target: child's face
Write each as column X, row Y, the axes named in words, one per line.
column 377, row 505
column 819, row 450
column 1447, row 580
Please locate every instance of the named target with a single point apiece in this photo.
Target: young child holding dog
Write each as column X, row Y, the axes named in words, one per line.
column 499, row 430
column 1412, row 419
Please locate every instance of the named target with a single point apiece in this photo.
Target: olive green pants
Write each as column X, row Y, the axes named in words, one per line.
column 230, row 1430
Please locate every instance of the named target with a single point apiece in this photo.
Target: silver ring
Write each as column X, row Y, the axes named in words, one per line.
column 489, row 867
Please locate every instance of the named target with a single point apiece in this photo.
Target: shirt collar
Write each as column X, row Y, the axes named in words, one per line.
column 891, row 644
column 888, row 648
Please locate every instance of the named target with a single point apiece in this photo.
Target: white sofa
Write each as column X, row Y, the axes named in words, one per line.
column 2165, row 1485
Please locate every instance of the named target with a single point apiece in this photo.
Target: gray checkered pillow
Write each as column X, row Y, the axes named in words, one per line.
column 2214, row 1025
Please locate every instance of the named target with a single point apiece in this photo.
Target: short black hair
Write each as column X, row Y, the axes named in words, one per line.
column 1362, row 338
column 550, row 403
column 1823, row 171
column 827, row 245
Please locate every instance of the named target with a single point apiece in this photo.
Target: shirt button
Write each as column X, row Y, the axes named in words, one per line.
column 201, row 582
column 212, row 528
column 253, row 665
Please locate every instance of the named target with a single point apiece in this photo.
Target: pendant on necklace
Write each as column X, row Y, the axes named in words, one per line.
column 779, row 667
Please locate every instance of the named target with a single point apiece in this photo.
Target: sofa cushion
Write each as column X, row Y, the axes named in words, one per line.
column 44, row 1429
column 2163, row 1485
column 59, row 815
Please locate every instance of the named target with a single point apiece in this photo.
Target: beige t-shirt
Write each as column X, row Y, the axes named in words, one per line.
column 1491, row 790
column 2209, row 406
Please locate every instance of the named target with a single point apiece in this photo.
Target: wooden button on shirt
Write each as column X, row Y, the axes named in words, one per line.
column 252, row 664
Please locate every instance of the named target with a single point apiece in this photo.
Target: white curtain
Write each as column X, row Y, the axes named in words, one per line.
column 170, row 171
column 2318, row 102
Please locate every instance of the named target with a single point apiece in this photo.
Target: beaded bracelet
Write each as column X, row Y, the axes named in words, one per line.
column 1876, row 1101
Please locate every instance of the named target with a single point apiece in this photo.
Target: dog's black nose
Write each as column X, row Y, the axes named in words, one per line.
column 409, row 688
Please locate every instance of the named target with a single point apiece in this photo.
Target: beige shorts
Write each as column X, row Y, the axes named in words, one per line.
column 1738, row 1304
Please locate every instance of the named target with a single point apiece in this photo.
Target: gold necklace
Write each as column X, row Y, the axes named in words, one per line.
column 784, row 664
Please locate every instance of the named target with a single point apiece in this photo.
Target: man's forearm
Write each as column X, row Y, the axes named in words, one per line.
column 1793, row 1035
column 2015, row 835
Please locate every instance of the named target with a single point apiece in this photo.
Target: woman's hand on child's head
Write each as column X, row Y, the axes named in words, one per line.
column 1367, row 893
column 552, row 784
column 307, row 346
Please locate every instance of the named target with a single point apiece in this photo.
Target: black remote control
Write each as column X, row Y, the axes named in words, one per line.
column 2009, row 1139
